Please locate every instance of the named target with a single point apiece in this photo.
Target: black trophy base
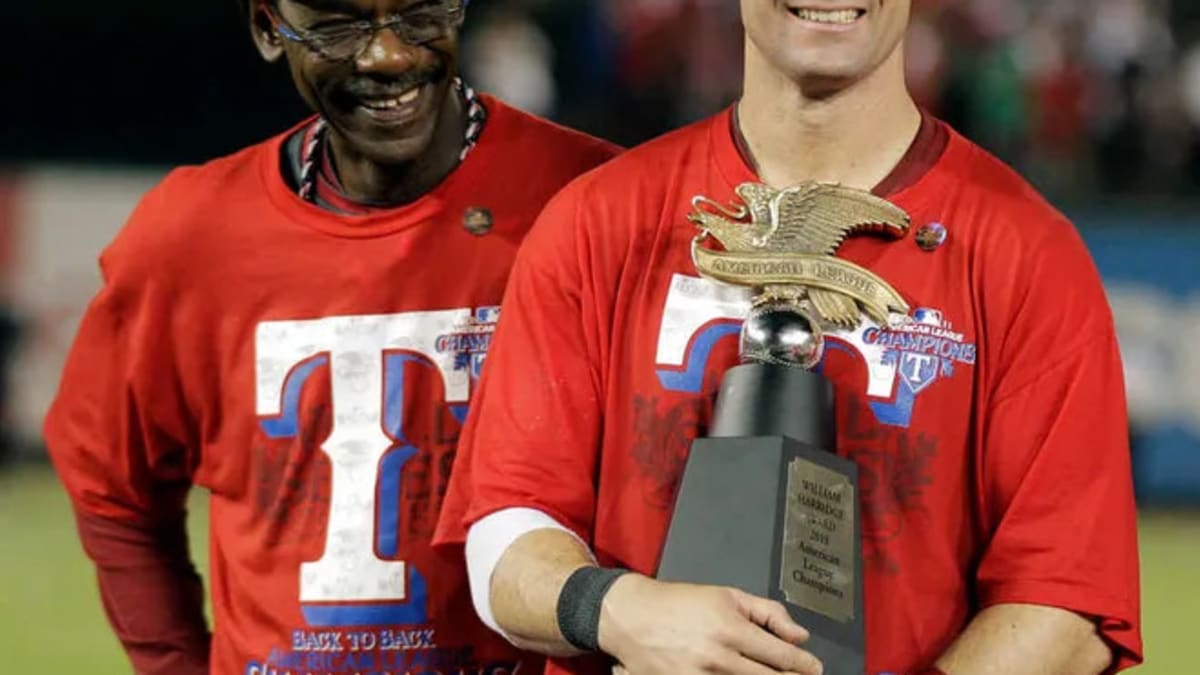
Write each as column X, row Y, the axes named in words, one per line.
column 775, row 517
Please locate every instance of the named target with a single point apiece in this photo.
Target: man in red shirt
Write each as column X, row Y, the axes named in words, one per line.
column 298, row 328
column 989, row 425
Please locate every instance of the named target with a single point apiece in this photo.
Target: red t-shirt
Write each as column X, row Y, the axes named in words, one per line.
column 990, row 431
column 311, row 370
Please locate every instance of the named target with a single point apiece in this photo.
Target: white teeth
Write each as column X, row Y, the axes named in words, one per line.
column 827, row 16
column 404, row 99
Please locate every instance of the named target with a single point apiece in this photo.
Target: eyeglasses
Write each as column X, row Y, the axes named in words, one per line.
column 340, row 40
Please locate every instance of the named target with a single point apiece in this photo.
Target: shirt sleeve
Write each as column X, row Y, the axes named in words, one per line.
column 531, row 438
column 1055, row 476
column 117, row 434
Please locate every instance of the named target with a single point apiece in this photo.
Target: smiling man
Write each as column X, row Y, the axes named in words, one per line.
column 298, row 328
column 989, row 424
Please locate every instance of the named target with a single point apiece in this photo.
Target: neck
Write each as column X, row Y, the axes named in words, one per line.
column 855, row 136
column 367, row 181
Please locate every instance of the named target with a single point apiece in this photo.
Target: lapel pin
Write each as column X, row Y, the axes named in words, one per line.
column 478, row 221
column 930, row 237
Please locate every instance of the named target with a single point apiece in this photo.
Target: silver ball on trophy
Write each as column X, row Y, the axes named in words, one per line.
column 783, row 334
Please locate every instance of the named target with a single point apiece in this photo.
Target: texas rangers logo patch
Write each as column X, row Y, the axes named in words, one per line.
column 922, row 350
column 470, row 342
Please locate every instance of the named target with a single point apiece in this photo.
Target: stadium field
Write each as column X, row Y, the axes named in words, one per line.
column 51, row 621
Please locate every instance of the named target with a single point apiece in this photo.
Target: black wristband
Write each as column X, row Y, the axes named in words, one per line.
column 579, row 605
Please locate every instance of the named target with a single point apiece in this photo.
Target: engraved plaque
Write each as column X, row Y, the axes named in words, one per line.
column 818, row 568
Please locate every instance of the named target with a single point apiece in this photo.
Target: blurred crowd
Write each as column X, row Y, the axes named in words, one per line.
column 1086, row 97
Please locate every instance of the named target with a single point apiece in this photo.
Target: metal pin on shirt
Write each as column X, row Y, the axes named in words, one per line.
column 478, row 221
column 931, row 236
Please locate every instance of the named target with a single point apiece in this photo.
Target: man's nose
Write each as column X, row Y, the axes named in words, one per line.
column 387, row 54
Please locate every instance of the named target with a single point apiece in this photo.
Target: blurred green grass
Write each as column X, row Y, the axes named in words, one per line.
column 51, row 621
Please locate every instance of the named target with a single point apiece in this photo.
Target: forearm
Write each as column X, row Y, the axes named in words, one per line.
column 1027, row 640
column 526, row 585
column 151, row 593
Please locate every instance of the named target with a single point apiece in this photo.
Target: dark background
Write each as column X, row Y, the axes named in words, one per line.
column 138, row 81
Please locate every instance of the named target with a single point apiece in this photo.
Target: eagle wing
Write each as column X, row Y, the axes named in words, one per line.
column 817, row 217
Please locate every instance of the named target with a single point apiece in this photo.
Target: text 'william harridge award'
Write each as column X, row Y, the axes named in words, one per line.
column 765, row 504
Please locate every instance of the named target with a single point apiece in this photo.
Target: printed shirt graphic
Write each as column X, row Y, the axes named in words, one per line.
column 989, row 428
column 313, row 372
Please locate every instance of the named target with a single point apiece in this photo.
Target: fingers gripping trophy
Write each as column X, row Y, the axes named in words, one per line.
column 765, row 504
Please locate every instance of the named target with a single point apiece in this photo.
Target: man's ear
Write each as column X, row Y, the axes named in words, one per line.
column 262, row 30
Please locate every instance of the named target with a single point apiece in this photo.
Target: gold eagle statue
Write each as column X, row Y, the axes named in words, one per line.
column 810, row 219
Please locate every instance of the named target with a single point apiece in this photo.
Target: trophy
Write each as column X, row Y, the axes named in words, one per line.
column 764, row 505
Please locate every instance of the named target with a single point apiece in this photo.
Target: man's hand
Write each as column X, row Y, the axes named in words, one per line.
column 654, row 628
